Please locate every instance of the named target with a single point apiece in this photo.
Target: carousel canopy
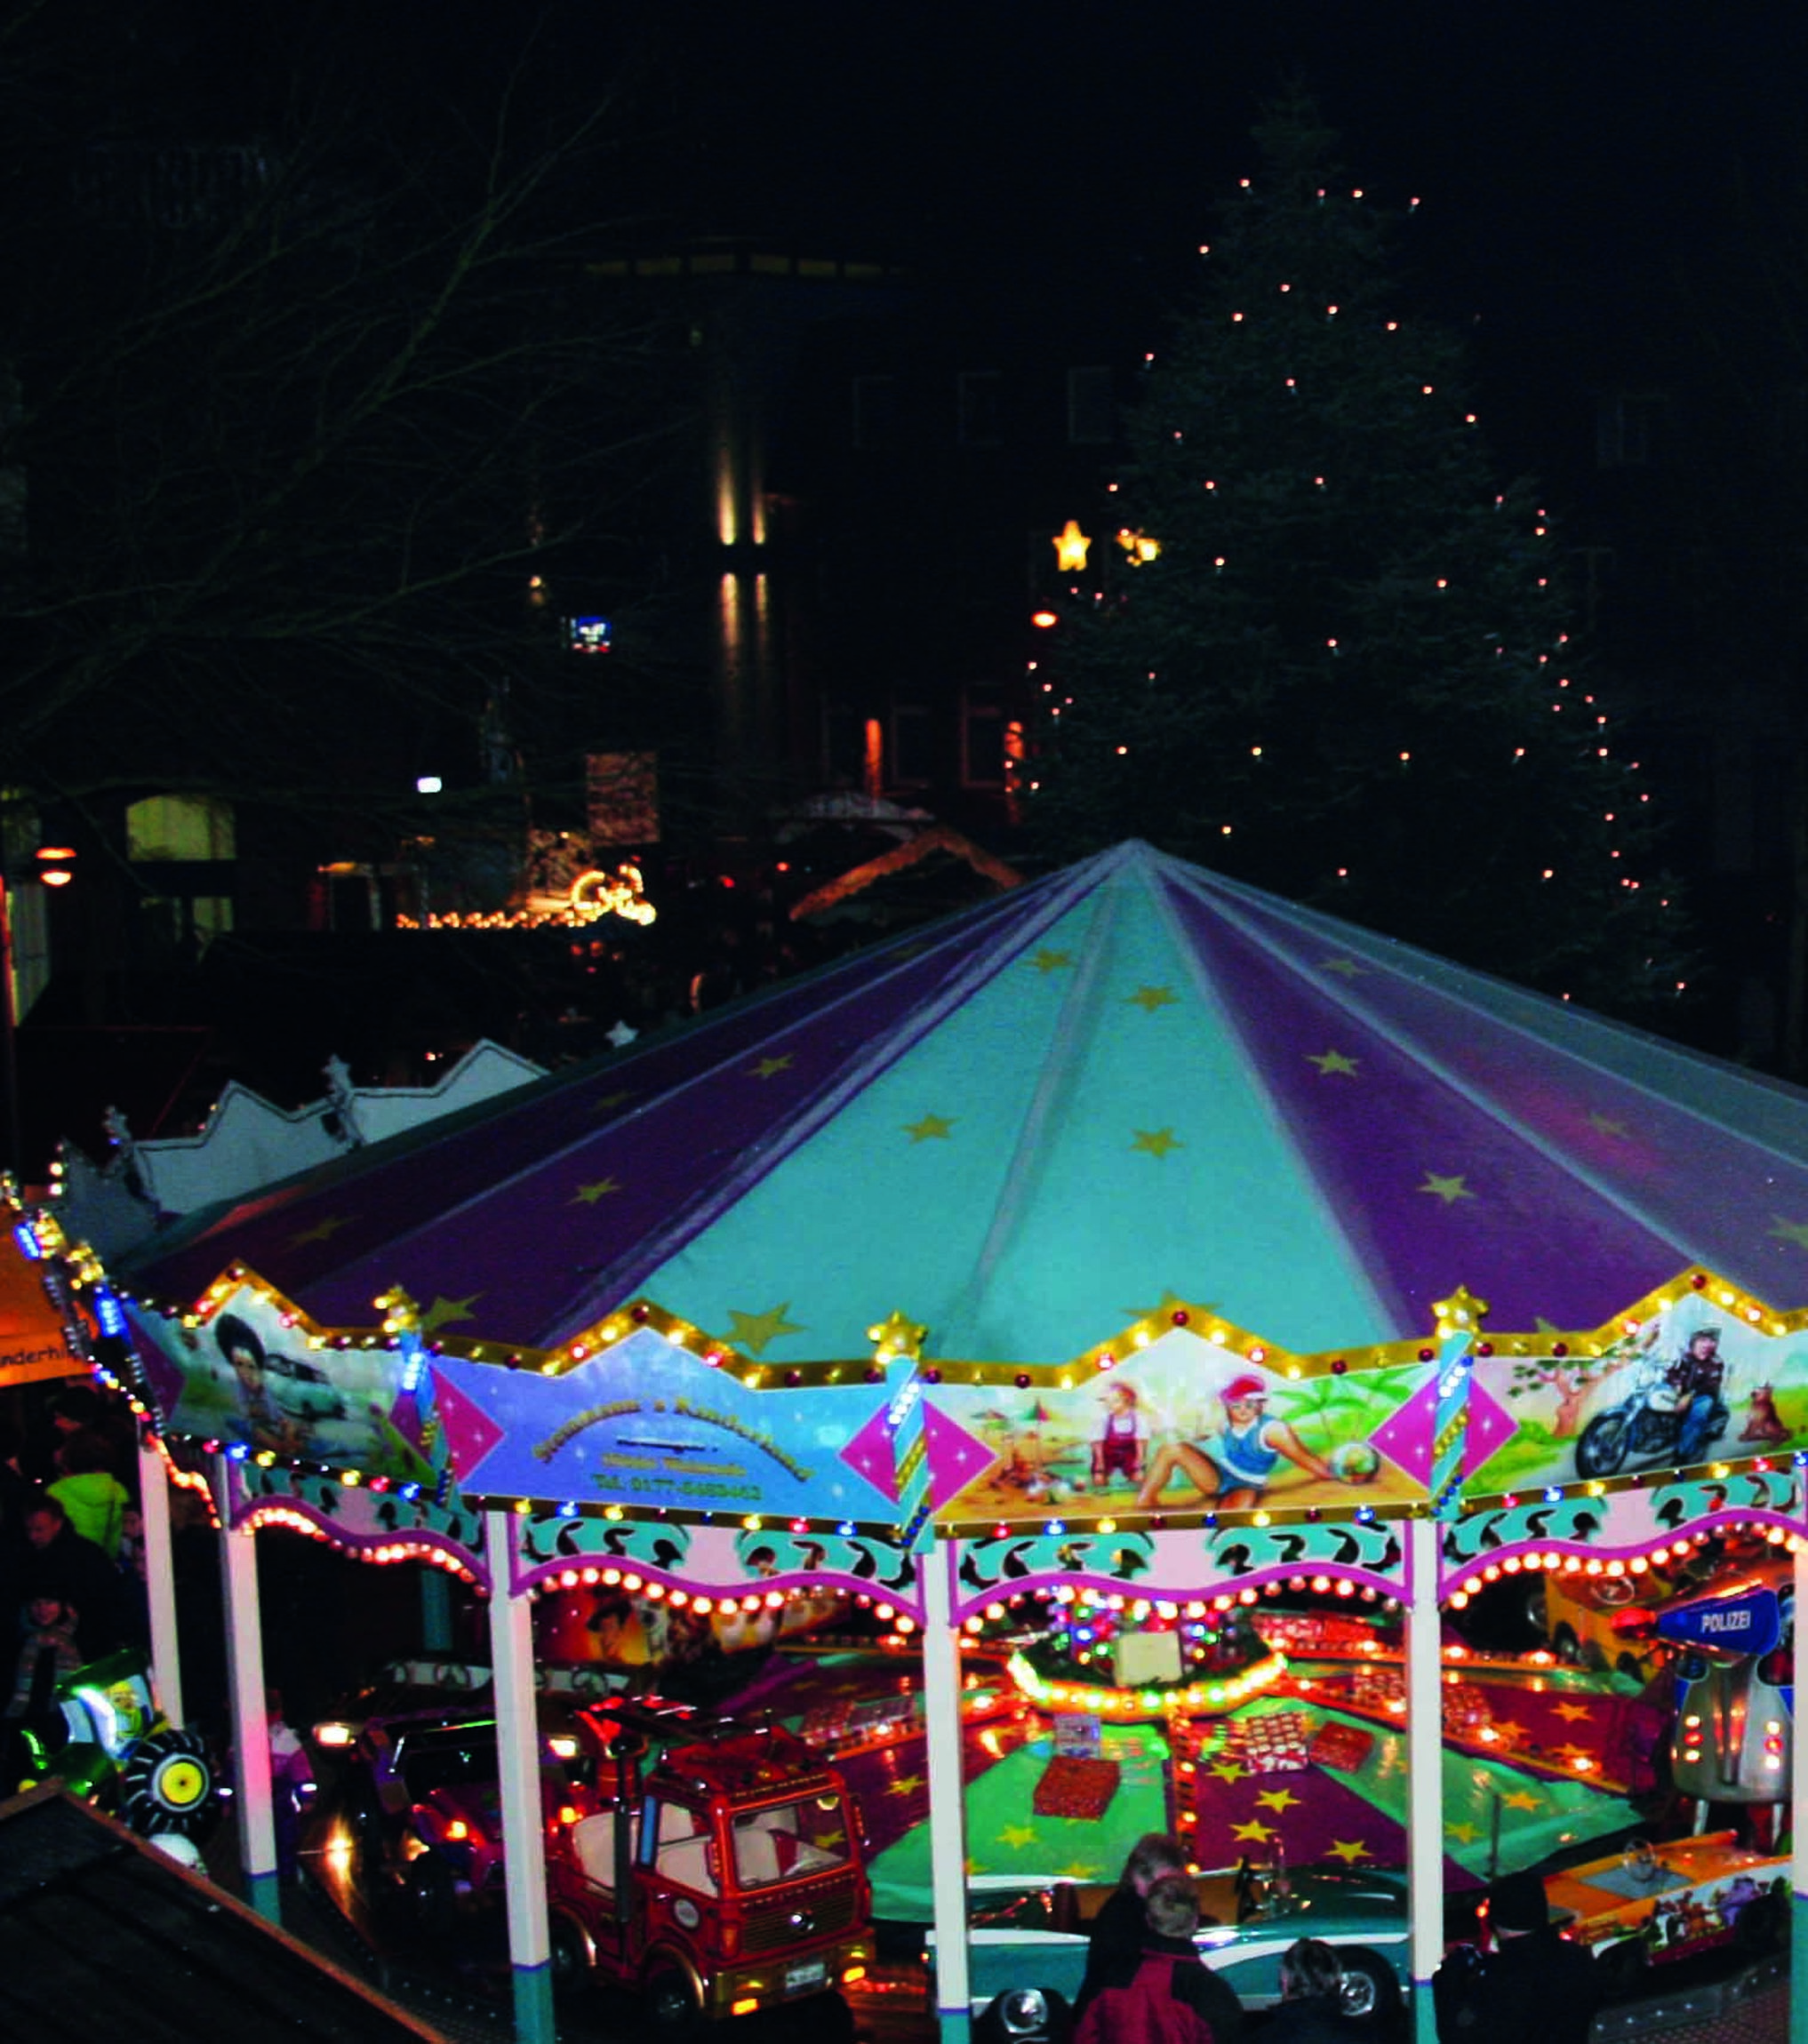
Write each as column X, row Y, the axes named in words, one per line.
column 1129, row 1082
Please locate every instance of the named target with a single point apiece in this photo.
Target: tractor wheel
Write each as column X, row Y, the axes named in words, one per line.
column 167, row 1786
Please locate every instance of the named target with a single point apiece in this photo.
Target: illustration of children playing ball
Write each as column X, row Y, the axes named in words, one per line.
column 1234, row 1465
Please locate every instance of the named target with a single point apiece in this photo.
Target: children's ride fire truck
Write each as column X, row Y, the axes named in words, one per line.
column 715, row 1868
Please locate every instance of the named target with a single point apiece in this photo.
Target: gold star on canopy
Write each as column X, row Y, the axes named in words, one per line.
column 1462, row 1308
column 1468, row 1833
column 752, row 1330
column 769, row 1067
column 1510, row 1732
column 1017, row 1835
column 1450, row 1190
column 1070, row 545
column 1255, row 1828
column 1605, row 1125
column 1348, row 1850
column 1574, row 1711
column 1226, row 1770
column 899, row 1335
column 1794, row 1232
column 604, row 1102
column 1521, row 1799
column 1346, row 968
column 321, row 1232
column 1149, row 998
column 1330, row 1061
column 1278, row 1798
column 1078, row 1870
column 930, row 1127
column 906, row 1785
column 1047, row 960
column 1157, row 1142
column 443, row 1311
column 598, row 1189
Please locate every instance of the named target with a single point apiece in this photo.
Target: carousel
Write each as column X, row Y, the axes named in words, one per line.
column 1157, row 1308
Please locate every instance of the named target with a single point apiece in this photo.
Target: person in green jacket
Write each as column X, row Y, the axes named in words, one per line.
column 92, row 1497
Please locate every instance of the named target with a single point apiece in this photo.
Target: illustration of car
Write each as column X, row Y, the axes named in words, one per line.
column 1035, row 1938
column 101, row 1735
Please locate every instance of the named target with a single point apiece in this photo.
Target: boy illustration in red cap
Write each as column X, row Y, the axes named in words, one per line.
column 1234, row 1465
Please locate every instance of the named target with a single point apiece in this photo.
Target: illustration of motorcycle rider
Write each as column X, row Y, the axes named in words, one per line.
column 1698, row 1375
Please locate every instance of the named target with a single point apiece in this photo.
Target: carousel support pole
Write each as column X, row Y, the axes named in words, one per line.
column 517, row 1753
column 160, row 1577
column 251, row 1728
column 436, row 1611
column 948, row 1835
column 1798, row 1795
column 1424, row 1769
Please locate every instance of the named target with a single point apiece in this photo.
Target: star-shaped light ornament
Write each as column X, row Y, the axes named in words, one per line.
column 898, row 1335
column 1071, row 545
column 752, row 1330
column 1462, row 1310
column 1448, row 1187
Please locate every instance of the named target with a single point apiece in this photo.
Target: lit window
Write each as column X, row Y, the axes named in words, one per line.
column 184, row 828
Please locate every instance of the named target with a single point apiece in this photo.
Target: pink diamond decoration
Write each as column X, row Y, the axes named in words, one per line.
column 1490, row 1426
column 1407, row 1436
column 870, row 1455
column 471, row 1433
column 956, row 1457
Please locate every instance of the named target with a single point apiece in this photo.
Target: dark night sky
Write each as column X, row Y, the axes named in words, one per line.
column 1557, row 148
column 1558, row 145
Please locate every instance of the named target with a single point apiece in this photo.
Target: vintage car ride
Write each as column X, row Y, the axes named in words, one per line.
column 1655, row 1903
column 1036, row 1937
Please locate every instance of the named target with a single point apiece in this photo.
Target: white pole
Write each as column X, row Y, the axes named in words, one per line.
column 1799, row 1790
column 518, row 1756
column 1424, row 1764
column 948, row 1827
column 160, row 1577
column 250, row 1729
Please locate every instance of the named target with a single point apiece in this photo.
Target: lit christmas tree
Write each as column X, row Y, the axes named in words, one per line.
column 1323, row 649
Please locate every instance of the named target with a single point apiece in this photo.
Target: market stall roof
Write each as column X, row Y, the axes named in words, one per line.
column 1129, row 1082
column 102, row 1938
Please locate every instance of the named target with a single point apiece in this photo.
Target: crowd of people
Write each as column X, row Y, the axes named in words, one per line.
column 1146, row 1983
column 72, row 1560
